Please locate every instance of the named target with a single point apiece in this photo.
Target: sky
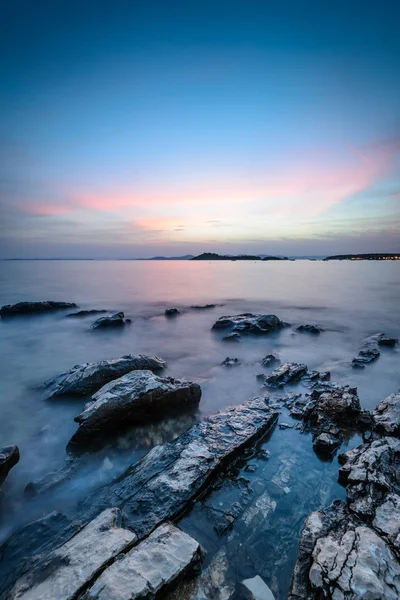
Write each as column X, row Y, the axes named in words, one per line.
column 139, row 128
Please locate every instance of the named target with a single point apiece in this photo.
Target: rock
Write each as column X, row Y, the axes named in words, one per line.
column 231, row 362
column 285, row 426
column 341, row 405
column 269, row 360
column 53, row 479
column 370, row 349
column 172, row 312
column 135, row 398
column 9, row 456
column 85, row 379
column 385, row 340
column 169, row 477
column 205, row 306
column 85, row 313
column 155, row 565
column 115, row 320
column 314, row 329
column 258, row 589
column 326, row 443
column 31, row 308
column 386, row 416
column 232, row 337
column 286, row 373
column 66, row 571
column 249, row 323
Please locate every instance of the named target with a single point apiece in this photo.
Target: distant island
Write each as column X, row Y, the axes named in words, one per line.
column 364, row 257
column 214, row 256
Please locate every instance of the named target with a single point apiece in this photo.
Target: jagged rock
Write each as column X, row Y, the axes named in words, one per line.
column 314, row 329
column 341, row 404
column 115, row 320
column 326, row 443
column 386, row 416
column 65, row 572
column 172, row 312
column 286, row 373
column 135, row 398
column 85, row 379
column 9, row 456
column 85, row 313
column 232, row 337
column 370, row 349
column 162, row 483
column 31, row 308
column 250, row 323
column 230, row 362
column 269, row 360
column 155, row 565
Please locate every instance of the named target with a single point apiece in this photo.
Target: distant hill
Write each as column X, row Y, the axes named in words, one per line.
column 214, row 256
column 185, row 257
column 375, row 256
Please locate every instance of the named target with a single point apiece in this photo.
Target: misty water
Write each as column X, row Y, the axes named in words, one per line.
column 350, row 300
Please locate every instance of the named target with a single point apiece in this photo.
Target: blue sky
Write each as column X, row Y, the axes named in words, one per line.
column 142, row 128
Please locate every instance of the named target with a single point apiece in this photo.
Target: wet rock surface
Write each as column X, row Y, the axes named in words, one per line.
column 370, row 349
column 386, row 416
column 287, row 373
column 136, row 397
column 250, row 323
column 84, row 313
column 115, row 320
column 313, row 329
column 31, row 308
column 9, row 456
column 86, row 379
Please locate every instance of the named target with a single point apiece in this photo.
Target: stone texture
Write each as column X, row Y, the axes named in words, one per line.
column 370, row 349
column 115, row 320
column 258, row 589
column 86, row 379
column 31, row 308
column 386, row 416
column 286, row 373
column 249, row 323
column 314, row 329
column 9, row 456
column 326, row 443
column 156, row 564
column 340, row 404
column 137, row 397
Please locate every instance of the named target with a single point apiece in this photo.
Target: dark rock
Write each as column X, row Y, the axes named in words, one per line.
column 85, row 379
column 53, row 479
column 314, row 329
column 172, row 312
column 85, row 313
column 31, row 308
column 341, row 405
column 286, row 373
column 385, row 340
column 249, row 323
column 326, row 443
column 232, row 337
column 136, row 398
column 9, row 456
column 128, row 321
column 205, row 306
column 386, row 416
column 269, row 360
column 231, row 362
column 370, row 349
column 116, row 320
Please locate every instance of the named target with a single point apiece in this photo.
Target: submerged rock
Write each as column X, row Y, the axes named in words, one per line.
column 9, row 456
column 85, row 379
column 314, row 329
column 231, row 362
column 370, row 349
column 31, row 308
column 286, row 373
column 135, row 398
column 172, row 312
column 250, row 323
column 269, row 360
column 115, row 320
column 85, row 313
column 386, row 416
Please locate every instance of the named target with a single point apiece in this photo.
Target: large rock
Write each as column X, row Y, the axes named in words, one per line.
column 9, row 456
column 386, row 416
column 137, row 397
column 31, row 308
column 286, row 373
column 86, row 379
column 65, row 573
column 370, row 349
column 115, row 320
column 341, row 405
column 165, row 481
column 250, row 323
column 155, row 565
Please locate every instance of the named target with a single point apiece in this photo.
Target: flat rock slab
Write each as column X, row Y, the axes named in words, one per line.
column 286, row 373
column 250, row 323
column 64, row 573
column 115, row 320
column 163, row 483
column 9, row 456
column 32, row 308
column 88, row 378
column 386, row 416
column 157, row 563
column 138, row 397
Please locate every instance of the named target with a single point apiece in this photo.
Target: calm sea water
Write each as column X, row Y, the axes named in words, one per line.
column 349, row 300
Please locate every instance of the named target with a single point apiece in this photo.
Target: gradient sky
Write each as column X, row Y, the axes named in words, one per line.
column 137, row 128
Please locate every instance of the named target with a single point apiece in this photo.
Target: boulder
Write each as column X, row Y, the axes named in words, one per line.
column 154, row 566
column 231, row 362
column 314, row 329
column 386, row 416
column 341, row 405
column 86, row 379
column 172, row 312
column 250, row 323
column 286, row 373
column 326, row 443
column 137, row 397
column 9, row 456
column 270, row 360
column 370, row 349
column 85, row 313
column 31, row 308
column 256, row 589
column 115, row 320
